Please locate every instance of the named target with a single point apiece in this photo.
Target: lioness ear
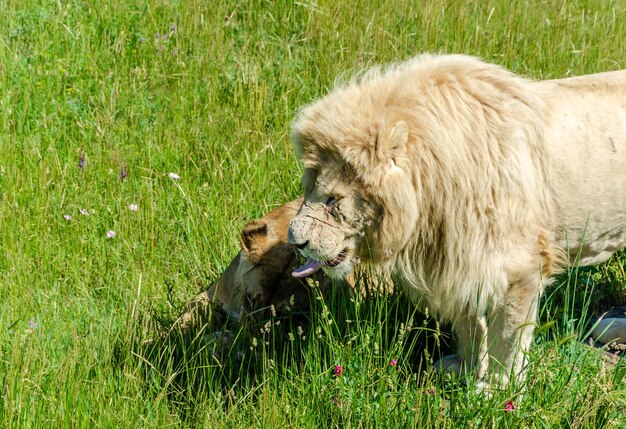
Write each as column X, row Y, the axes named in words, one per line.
column 253, row 236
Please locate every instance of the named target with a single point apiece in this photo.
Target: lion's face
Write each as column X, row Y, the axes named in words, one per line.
column 333, row 228
column 359, row 185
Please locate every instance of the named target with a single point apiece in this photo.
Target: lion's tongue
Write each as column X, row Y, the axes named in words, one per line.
column 309, row 267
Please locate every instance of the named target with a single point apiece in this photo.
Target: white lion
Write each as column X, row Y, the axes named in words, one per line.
column 469, row 185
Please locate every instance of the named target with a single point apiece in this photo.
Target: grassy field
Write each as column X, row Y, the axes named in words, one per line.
column 101, row 100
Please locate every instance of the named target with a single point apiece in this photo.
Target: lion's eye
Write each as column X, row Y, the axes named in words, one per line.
column 331, row 201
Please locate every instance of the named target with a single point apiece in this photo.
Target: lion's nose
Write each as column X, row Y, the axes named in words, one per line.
column 300, row 244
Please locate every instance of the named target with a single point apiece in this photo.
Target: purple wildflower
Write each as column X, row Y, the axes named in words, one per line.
column 157, row 35
column 33, row 324
column 111, row 234
column 173, row 28
column 81, row 161
column 338, row 370
column 123, row 173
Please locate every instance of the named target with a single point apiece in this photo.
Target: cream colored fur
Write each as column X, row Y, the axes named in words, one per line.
column 469, row 185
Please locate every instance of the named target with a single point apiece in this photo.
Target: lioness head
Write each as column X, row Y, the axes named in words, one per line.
column 260, row 275
column 258, row 278
column 357, row 188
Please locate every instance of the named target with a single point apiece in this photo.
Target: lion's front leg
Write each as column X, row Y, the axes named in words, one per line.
column 511, row 331
column 471, row 356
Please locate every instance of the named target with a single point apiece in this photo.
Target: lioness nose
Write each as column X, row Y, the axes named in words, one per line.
column 293, row 240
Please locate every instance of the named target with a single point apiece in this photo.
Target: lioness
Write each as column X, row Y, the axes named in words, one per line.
column 470, row 186
column 258, row 278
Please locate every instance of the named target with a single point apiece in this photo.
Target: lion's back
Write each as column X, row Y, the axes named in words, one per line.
column 586, row 143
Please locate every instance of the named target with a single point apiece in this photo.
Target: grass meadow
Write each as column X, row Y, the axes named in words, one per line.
column 101, row 100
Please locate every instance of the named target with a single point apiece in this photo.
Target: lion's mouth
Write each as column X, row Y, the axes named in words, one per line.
column 311, row 265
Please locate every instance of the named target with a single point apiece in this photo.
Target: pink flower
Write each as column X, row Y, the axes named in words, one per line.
column 110, row 234
column 509, row 406
column 338, row 370
column 337, row 402
column 393, row 362
column 430, row 391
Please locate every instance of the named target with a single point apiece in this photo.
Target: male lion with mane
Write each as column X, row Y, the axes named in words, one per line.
column 467, row 184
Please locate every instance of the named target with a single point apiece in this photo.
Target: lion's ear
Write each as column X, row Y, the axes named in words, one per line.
column 398, row 138
column 395, row 144
column 253, row 236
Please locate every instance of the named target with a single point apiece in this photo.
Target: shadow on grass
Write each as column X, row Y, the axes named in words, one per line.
column 219, row 359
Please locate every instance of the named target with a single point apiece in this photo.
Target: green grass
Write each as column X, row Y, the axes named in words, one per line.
column 212, row 101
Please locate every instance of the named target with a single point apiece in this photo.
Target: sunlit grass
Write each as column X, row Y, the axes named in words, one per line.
column 207, row 90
